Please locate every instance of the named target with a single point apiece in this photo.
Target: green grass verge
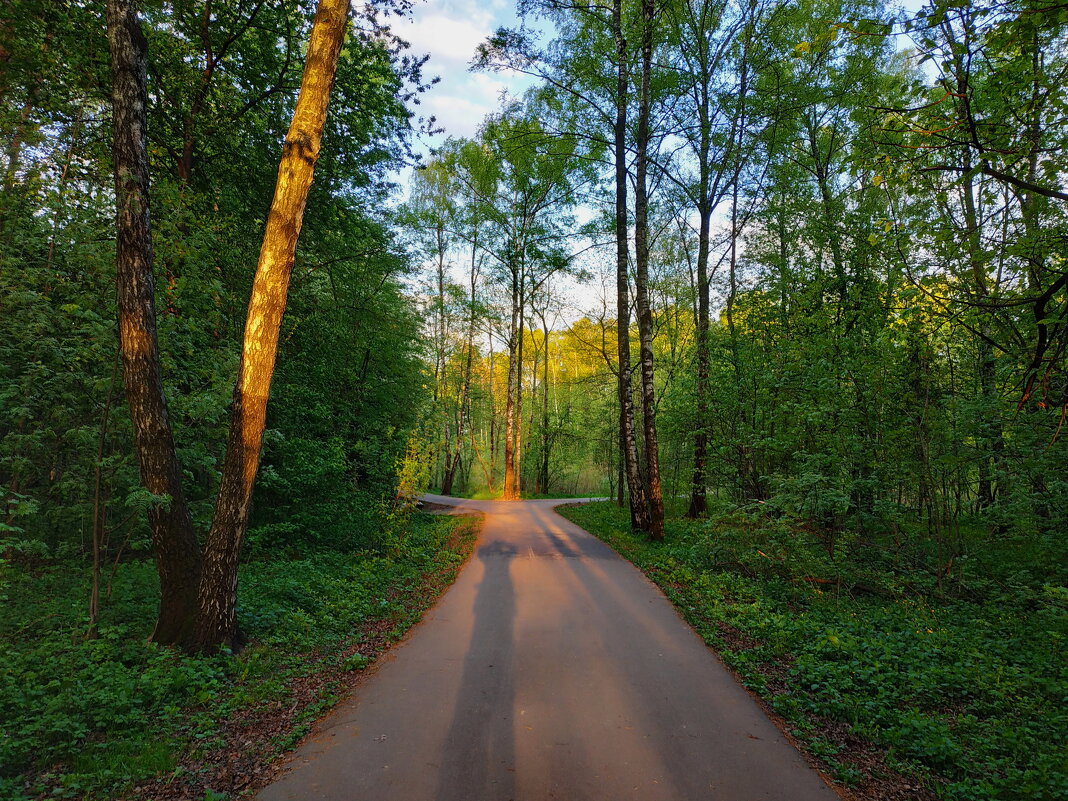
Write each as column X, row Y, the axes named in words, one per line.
column 93, row 718
column 967, row 694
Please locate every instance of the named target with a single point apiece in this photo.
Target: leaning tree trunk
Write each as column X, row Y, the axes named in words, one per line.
column 654, row 493
column 173, row 538
column 216, row 625
column 639, row 511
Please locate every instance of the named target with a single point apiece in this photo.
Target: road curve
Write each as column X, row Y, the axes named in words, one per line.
column 551, row 669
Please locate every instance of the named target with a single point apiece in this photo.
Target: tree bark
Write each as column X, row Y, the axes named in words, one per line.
column 216, row 623
column 511, row 413
column 173, row 538
column 698, row 490
column 544, row 479
column 639, row 512
column 653, row 490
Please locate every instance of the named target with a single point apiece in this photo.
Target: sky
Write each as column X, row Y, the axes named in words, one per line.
column 450, row 31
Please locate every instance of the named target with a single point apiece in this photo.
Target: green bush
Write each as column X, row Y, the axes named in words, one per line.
column 89, row 717
column 969, row 687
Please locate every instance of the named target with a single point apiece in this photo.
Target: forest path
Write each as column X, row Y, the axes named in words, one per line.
column 551, row 669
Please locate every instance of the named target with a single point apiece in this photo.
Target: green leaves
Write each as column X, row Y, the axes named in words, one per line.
column 964, row 694
column 93, row 716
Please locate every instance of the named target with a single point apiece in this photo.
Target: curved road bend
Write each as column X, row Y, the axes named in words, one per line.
column 551, row 669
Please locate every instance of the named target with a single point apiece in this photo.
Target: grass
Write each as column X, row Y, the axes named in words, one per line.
column 962, row 688
column 96, row 718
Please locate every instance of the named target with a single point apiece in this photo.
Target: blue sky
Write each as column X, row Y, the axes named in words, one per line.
column 450, row 31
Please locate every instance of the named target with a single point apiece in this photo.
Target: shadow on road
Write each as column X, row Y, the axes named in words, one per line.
column 479, row 749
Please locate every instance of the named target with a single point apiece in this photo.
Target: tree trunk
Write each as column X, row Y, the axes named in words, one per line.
column 517, row 434
column 654, row 493
column 545, row 412
column 988, row 414
column 535, row 362
column 463, row 411
column 510, row 411
column 99, row 506
column 705, row 203
column 639, row 512
column 449, row 471
column 698, row 490
column 491, row 476
column 173, row 538
column 216, row 625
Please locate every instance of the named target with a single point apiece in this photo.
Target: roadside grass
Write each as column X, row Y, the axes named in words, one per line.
column 108, row 716
column 962, row 687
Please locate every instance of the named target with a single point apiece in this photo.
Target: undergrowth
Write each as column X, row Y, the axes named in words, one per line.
column 963, row 683
column 90, row 718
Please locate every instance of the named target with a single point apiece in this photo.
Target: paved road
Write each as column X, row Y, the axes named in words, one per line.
column 551, row 669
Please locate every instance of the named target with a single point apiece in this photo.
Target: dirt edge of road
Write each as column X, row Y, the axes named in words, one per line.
column 254, row 746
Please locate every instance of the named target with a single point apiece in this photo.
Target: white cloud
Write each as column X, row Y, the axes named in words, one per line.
column 450, row 42
column 450, row 31
column 459, row 116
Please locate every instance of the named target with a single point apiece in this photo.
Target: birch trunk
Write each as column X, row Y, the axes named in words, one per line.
column 653, row 490
column 639, row 512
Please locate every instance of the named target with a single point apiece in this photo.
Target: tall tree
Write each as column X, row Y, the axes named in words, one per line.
column 218, row 591
column 639, row 508
column 198, row 594
column 174, row 540
column 653, row 490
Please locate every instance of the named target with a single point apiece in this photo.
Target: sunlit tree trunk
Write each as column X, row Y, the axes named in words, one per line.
column 216, row 624
column 173, row 538
column 494, row 431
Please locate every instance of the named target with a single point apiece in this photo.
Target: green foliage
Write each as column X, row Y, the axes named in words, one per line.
column 965, row 692
column 222, row 87
column 89, row 717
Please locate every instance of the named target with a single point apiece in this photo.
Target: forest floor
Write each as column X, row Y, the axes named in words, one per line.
column 902, row 684
column 116, row 716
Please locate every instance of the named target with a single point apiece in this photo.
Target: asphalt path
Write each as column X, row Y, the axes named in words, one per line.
column 551, row 669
